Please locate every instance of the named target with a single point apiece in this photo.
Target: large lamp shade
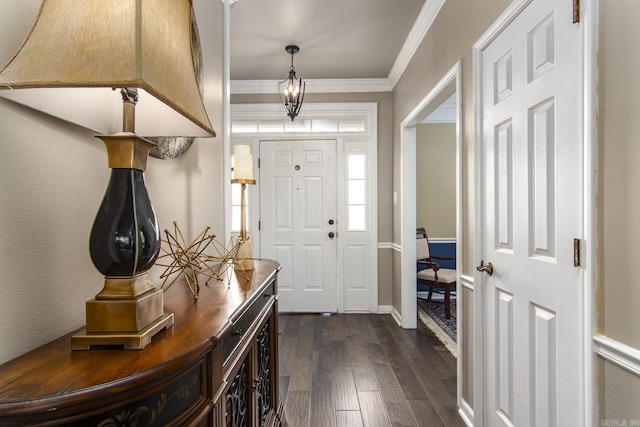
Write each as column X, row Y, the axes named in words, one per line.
column 79, row 50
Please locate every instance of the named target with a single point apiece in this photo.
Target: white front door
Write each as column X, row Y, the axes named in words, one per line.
column 532, row 212
column 298, row 221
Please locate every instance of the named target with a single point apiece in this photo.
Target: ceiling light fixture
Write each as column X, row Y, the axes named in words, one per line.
column 292, row 88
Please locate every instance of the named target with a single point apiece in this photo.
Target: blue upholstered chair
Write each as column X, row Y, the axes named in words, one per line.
column 436, row 279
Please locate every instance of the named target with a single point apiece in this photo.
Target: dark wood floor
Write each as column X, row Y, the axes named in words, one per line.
column 364, row 370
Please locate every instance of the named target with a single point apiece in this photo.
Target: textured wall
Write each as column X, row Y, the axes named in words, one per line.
column 618, row 296
column 619, row 133
column 619, row 393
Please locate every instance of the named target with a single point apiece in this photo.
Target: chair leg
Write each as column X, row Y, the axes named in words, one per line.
column 430, row 293
column 447, row 302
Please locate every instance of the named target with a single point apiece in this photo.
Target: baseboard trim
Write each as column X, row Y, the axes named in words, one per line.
column 466, row 413
column 620, row 354
column 396, row 316
column 385, row 309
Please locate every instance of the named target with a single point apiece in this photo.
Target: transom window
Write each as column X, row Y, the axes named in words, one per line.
column 316, row 125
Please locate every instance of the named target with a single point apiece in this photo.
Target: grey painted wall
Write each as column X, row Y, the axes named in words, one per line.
column 383, row 99
column 618, row 200
column 436, row 179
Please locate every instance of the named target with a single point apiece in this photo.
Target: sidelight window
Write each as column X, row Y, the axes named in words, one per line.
column 357, row 192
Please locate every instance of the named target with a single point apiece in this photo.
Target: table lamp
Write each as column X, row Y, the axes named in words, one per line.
column 117, row 67
column 242, row 173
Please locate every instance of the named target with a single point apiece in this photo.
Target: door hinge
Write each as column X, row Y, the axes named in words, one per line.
column 576, row 11
column 576, row 252
column 258, row 225
column 258, row 162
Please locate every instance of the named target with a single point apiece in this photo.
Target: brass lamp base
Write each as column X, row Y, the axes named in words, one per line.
column 244, row 258
column 124, row 315
column 127, row 312
column 130, row 341
column 243, row 181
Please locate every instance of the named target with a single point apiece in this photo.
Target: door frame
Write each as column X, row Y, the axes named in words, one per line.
column 449, row 84
column 588, row 79
column 275, row 112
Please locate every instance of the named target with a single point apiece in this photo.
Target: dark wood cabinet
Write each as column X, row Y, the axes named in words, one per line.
column 251, row 397
column 217, row 366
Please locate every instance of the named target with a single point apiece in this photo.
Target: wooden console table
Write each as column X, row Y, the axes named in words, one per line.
column 217, row 366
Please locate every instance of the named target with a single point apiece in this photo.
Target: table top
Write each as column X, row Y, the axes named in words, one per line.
column 54, row 371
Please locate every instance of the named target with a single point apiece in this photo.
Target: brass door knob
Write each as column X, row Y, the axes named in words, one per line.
column 487, row 268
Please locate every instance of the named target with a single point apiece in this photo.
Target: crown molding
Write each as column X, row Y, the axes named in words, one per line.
column 427, row 15
column 424, row 21
column 314, row 86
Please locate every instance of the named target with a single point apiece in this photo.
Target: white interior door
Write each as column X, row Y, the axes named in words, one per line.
column 298, row 221
column 532, row 210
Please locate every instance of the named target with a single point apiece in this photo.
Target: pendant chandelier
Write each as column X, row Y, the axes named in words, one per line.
column 291, row 89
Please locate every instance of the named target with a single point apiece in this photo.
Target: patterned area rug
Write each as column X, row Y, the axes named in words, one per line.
column 434, row 310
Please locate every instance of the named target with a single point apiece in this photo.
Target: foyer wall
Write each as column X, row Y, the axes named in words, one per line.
column 618, row 201
column 383, row 100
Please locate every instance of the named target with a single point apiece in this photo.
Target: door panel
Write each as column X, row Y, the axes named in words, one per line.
column 532, row 201
column 298, row 198
column 283, row 205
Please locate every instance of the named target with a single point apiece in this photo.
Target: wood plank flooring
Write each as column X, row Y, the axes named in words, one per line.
column 361, row 370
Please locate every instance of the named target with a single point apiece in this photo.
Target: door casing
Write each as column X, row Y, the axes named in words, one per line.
column 345, row 140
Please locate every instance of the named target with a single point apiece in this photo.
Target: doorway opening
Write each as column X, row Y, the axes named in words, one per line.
column 445, row 89
column 449, row 88
column 436, row 152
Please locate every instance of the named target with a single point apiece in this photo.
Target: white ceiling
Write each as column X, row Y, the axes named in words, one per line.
column 338, row 39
